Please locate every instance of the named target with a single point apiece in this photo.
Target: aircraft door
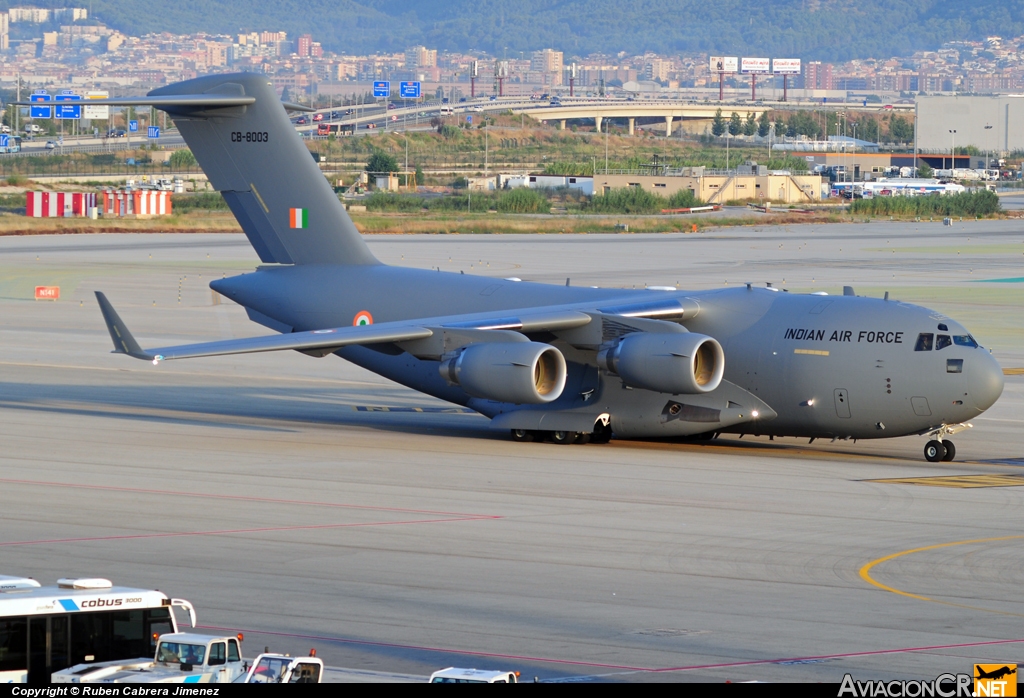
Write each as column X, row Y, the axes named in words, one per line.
column 842, row 403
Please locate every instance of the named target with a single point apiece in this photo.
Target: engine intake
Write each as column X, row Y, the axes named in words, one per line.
column 517, row 372
column 685, row 363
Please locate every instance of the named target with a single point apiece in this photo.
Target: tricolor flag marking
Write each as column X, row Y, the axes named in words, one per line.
column 298, row 218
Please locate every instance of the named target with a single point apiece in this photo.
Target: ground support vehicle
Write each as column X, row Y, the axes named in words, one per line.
column 456, row 675
column 280, row 668
column 44, row 629
column 179, row 658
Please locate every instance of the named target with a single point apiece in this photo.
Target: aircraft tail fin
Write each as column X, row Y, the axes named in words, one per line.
column 251, row 153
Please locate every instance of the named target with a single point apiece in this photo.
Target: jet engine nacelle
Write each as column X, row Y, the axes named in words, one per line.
column 516, row 372
column 685, row 363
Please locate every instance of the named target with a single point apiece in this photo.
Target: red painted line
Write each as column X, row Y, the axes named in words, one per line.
column 844, row 655
column 573, row 662
column 236, row 531
column 395, row 645
column 240, row 498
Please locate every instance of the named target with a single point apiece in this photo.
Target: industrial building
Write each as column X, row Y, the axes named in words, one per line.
column 989, row 123
column 753, row 182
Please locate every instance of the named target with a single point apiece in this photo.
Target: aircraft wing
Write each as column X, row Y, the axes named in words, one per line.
column 325, row 341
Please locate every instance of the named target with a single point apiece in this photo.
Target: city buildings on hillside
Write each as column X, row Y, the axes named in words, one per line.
column 67, row 47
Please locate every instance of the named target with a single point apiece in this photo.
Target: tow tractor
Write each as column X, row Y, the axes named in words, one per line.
column 281, row 668
column 180, row 658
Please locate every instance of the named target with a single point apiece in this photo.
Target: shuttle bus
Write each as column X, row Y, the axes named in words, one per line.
column 46, row 629
column 323, row 129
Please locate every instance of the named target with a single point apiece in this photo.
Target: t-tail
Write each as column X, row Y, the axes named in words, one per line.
column 240, row 133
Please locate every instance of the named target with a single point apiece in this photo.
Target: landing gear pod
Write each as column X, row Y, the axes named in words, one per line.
column 666, row 363
column 523, row 373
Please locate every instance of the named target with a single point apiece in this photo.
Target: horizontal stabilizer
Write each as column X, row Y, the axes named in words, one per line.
column 321, row 342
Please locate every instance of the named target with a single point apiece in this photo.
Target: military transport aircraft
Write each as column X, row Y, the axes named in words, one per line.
column 563, row 363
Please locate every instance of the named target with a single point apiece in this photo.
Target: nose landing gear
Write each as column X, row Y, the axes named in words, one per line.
column 940, row 448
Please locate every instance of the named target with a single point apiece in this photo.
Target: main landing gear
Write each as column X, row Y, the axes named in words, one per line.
column 602, row 434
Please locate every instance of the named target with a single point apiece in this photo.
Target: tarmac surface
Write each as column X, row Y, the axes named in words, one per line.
column 309, row 503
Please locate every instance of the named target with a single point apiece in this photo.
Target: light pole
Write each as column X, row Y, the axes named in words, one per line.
column 952, row 150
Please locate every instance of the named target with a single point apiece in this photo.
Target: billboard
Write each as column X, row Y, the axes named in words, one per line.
column 754, row 65
column 786, row 66
column 725, row 64
column 97, row 111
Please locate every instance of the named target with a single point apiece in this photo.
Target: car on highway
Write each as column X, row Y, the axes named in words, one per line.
column 371, row 125
column 301, row 121
column 116, row 133
column 391, row 105
column 494, row 98
column 318, row 117
column 50, row 145
column 477, row 107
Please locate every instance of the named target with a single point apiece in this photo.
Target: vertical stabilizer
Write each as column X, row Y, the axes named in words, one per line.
column 255, row 158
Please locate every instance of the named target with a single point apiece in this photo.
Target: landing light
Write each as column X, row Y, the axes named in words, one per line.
column 754, row 413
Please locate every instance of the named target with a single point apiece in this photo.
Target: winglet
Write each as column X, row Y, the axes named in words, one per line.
column 124, row 343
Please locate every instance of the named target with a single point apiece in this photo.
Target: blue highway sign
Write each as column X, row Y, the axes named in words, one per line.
column 133, row 126
column 40, row 112
column 382, row 88
column 469, row 119
column 69, row 111
column 5, row 140
column 154, row 132
column 409, row 90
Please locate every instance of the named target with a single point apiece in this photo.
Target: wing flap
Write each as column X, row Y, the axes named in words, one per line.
column 321, row 342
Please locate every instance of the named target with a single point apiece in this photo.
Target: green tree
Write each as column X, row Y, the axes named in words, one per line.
column 718, row 124
column 764, row 126
column 381, row 162
column 868, row 130
column 925, row 171
column 750, row 125
column 735, row 124
column 900, row 130
column 421, row 178
column 182, row 159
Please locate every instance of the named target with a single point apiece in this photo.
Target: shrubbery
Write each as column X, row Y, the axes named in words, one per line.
column 524, row 200
column 980, row 203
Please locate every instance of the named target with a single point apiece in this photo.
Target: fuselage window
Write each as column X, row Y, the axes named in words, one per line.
column 942, row 341
column 964, row 340
column 954, row 365
column 924, row 342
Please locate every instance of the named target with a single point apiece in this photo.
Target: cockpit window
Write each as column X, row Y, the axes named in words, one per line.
column 924, row 341
column 942, row 341
column 954, row 365
column 964, row 340
column 942, row 327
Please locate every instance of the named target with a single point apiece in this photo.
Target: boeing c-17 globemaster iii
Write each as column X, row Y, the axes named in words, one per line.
column 563, row 363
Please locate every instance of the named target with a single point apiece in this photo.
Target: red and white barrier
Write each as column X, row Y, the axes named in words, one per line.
column 136, row 203
column 57, row 204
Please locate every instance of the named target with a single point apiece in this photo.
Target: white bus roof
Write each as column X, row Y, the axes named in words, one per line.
column 21, row 596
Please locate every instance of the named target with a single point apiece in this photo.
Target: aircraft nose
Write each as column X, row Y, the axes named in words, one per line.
column 984, row 379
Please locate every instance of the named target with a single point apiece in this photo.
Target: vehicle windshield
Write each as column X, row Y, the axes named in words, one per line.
column 964, row 340
column 270, row 670
column 180, row 653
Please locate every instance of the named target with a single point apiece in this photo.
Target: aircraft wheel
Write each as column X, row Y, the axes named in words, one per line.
column 522, row 435
column 934, row 451
column 602, row 434
column 950, row 451
column 582, row 438
column 563, row 437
